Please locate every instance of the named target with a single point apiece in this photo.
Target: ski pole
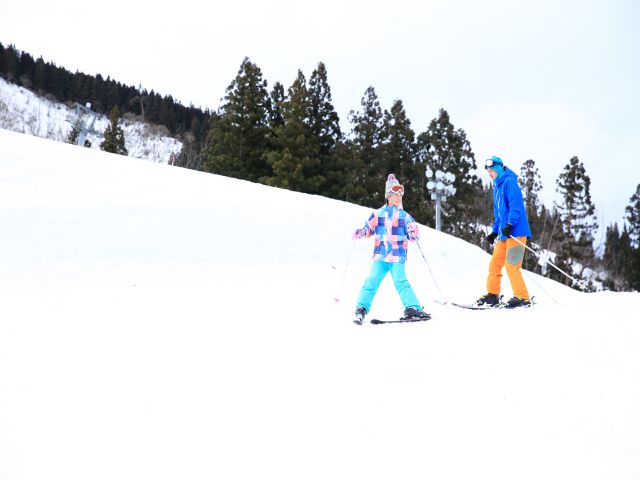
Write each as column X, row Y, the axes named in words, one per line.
column 344, row 273
column 546, row 260
column 431, row 272
column 532, row 278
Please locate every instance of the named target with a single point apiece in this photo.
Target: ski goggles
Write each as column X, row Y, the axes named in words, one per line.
column 396, row 190
column 491, row 163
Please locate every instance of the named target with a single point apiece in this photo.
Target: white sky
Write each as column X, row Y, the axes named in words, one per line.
column 545, row 80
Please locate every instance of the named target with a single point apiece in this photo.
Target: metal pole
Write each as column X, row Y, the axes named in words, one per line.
column 432, row 275
column 344, row 273
column 438, row 218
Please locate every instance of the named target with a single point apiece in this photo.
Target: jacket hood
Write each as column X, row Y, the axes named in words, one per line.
column 508, row 173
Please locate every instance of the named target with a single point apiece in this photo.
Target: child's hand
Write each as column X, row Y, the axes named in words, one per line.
column 412, row 232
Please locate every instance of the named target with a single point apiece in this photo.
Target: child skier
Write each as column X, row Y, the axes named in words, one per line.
column 393, row 228
column 510, row 221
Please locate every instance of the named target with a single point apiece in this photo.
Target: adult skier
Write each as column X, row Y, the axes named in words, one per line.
column 510, row 221
column 392, row 228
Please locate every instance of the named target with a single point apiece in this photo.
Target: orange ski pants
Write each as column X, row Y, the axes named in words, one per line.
column 508, row 253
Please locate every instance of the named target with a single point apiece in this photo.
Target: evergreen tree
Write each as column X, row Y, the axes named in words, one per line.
column 26, row 66
column 618, row 259
column 530, row 184
column 564, row 260
column 398, row 154
column 276, row 100
column 632, row 273
column 442, row 147
column 577, row 215
column 367, row 137
column 633, row 217
column 10, row 63
column 39, row 75
column 343, row 172
column 111, row 96
column 191, row 154
column 323, row 119
column 611, row 257
column 339, row 166
column 137, row 104
column 114, row 141
column 238, row 139
column 3, row 61
column 295, row 161
column 398, row 148
column 550, row 235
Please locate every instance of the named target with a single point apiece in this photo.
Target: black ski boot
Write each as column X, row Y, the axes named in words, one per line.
column 360, row 314
column 411, row 312
column 489, row 300
column 516, row 302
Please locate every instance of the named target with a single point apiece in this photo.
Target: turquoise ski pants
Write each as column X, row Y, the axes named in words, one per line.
column 378, row 271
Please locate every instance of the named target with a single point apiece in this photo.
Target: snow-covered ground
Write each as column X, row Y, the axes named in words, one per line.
column 23, row 111
column 160, row 323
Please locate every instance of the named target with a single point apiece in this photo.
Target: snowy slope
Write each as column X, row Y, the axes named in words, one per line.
column 23, row 111
column 160, row 323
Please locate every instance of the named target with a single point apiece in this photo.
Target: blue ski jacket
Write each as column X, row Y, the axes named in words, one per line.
column 508, row 206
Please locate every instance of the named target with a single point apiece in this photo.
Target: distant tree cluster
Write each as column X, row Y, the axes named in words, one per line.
column 58, row 83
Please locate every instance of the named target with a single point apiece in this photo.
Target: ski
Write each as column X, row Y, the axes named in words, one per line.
column 519, row 306
column 375, row 321
column 472, row 306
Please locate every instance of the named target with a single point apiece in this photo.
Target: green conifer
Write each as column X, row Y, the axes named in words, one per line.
column 367, row 136
column 238, row 138
column 295, row 160
column 443, row 147
column 114, row 141
column 577, row 216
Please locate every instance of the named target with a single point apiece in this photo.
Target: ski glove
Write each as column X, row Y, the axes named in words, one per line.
column 506, row 231
column 412, row 232
column 357, row 234
column 491, row 237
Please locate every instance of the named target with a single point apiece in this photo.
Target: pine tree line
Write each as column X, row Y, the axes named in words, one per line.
column 58, row 83
column 291, row 138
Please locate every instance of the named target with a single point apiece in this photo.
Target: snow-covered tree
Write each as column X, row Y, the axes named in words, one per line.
column 577, row 215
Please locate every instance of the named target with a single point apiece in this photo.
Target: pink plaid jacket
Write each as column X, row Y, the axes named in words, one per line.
column 392, row 228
